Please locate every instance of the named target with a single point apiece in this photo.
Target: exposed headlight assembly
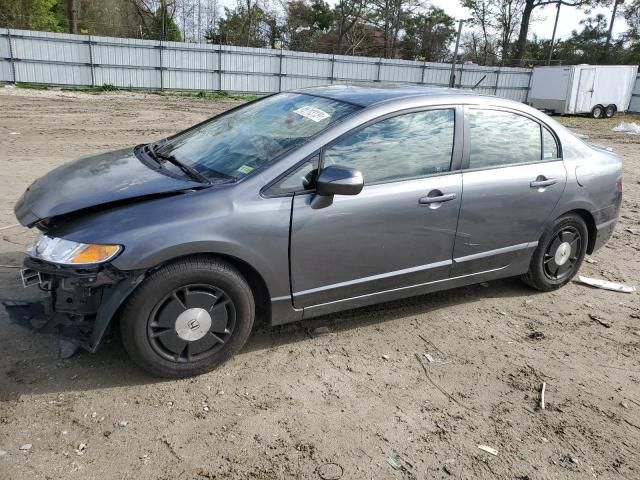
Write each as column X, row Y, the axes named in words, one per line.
column 67, row 252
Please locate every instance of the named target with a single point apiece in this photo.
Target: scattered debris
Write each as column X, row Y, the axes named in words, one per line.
column 447, row 470
column 394, row 462
column 2, row 452
column 330, row 471
column 606, row 285
column 601, row 321
column 14, row 133
column 428, row 357
column 7, row 227
column 488, row 449
column 123, row 423
column 536, row 336
column 632, row 231
column 590, row 260
column 26, row 447
column 385, row 357
column 624, row 404
column 82, row 448
column 320, row 331
column 107, row 433
column 631, row 127
column 542, row 389
column 442, row 390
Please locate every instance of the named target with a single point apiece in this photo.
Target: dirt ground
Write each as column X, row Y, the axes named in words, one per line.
column 353, row 404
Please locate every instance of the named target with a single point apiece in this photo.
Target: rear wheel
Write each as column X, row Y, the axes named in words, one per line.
column 559, row 254
column 610, row 111
column 188, row 317
column 597, row 111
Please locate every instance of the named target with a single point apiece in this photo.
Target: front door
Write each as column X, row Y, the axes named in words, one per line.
column 513, row 179
column 399, row 231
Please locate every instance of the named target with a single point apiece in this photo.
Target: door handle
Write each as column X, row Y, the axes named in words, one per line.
column 542, row 182
column 437, row 199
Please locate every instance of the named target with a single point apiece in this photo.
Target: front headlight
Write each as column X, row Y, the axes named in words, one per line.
column 67, row 252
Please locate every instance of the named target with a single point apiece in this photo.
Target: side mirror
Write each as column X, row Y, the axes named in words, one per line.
column 336, row 180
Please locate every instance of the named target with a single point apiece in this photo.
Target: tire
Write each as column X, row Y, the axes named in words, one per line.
column 187, row 317
column 569, row 229
column 597, row 111
column 610, row 111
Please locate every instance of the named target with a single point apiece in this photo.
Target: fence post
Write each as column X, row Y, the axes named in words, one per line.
column 333, row 63
column 161, row 68
column 495, row 91
column 93, row 70
column 280, row 73
column 219, row 68
column 526, row 97
column 12, row 57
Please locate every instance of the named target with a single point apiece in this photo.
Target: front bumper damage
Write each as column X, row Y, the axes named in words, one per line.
column 80, row 302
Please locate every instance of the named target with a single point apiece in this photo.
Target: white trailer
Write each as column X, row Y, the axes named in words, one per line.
column 601, row 90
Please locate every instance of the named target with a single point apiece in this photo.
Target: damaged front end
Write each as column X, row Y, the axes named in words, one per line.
column 81, row 300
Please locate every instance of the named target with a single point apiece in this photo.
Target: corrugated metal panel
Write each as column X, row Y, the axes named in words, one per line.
column 63, row 59
column 634, row 106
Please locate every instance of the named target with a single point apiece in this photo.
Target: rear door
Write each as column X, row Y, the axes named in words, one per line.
column 513, row 177
column 586, row 83
column 399, row 231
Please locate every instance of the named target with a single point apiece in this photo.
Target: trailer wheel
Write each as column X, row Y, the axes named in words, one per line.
column 610, row 111
column 597, row 111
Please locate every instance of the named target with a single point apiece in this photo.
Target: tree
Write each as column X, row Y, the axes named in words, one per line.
column 482, row 16
column 528, row 9
column 347, row 14
column 157, row 19
column 428, row 35
column 509, row 15
column 30, row 14
column 390, row 16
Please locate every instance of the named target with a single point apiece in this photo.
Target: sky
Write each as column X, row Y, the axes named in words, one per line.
column 544, row 18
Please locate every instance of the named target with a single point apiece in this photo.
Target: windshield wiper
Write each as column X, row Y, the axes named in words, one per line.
column 189, row 171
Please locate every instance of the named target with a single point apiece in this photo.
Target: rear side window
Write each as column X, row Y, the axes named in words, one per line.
column 549, row 145
column 503, row 138
column 407, row 146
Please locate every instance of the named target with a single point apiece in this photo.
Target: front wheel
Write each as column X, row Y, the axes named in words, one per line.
column 187, row 317
column 559, row 254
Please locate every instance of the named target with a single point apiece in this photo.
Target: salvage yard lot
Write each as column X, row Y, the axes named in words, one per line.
column 352, row 404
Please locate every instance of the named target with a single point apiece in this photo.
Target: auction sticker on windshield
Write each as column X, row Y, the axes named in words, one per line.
column 312, row 113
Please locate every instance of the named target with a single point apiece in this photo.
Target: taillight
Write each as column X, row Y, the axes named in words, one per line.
column 620, row 185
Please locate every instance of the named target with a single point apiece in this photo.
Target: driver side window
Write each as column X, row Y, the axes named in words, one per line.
column 406, row 146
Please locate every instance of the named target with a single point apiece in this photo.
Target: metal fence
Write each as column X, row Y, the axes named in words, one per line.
column 90, row 61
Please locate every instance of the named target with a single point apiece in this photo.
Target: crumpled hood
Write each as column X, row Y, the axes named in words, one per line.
column 91, row 181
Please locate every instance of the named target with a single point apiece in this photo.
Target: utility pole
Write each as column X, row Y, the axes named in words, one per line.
column 553, row 36
column 452, row 77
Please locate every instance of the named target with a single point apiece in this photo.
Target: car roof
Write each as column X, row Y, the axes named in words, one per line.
column 368, row 95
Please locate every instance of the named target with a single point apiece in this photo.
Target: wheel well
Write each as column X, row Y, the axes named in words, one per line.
column 257, row 284
column 591, row 227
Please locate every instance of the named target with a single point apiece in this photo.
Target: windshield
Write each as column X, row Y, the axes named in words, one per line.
column 235, row 144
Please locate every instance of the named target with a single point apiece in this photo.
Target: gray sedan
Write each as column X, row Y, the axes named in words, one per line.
column 310, row 202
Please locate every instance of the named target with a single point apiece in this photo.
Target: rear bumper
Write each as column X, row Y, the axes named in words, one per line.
column 604, row 232
column 81, row 303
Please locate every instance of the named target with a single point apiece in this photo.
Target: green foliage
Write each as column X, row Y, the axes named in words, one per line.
column 428, row 35
column 31, row 86
column 30, row 14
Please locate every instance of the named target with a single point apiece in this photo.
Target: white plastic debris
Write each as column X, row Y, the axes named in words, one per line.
column 26, row 447
column 606, row 285
column 631, row 127
column 488, row 449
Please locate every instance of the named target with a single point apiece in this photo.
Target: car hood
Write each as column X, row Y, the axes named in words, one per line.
column 92, row 181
